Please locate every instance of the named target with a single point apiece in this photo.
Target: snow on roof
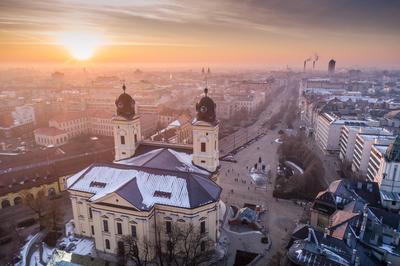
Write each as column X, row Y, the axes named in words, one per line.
column 143, row 188
column 177, row 188
column 72, row 179
column 174, row 123
column 161, row 176
column 186, row 159
column 165, row 159
column 102, row 180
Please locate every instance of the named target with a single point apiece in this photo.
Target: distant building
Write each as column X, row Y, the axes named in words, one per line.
column 348, row 136
column 13, row 127
column 328, row 130
column 148, row 118
column 331, row 66
column 349, row 225
column 74, row 123
column 47, row 169
column 362, row 149
column 388, row 176
column 50, row 136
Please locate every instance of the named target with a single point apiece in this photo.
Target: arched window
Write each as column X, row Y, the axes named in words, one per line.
column 17, row 200
column 29, row 196
column 51, row 193
column 5, row 203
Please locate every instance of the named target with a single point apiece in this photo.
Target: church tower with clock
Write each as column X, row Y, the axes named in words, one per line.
column 205, row 134
column 127, row 132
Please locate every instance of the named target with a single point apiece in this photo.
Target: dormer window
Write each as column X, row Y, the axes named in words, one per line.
column 162, row 194
column 97, row 184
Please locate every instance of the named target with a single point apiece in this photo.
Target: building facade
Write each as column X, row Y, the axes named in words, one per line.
column 151, row 190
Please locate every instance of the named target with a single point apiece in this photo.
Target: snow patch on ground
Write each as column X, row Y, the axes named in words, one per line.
column 298, row 168
column 35, row 259
column 28, row 245
column 80, row 246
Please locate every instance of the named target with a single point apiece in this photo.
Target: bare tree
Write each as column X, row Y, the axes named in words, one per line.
column 139, row 254
column 196, row 246
column 54, row 216
column 37, row 204
column 184, row 245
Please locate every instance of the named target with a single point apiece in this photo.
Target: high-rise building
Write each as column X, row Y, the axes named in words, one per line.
column 331, row 66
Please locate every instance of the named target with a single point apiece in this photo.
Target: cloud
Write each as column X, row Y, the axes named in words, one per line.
column 167, row 19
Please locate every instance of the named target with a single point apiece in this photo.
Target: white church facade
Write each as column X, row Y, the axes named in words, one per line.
column 151, row 188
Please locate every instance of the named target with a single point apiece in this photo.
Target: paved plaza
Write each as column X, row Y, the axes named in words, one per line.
column 238, row 188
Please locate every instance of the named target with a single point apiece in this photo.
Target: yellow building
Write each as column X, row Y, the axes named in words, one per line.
column 151, row 189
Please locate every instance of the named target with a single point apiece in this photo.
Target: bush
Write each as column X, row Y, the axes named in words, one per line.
column 51, row 238
column 5, row 240
column 298, row 186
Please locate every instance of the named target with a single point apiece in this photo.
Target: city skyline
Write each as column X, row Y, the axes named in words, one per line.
column 251, row 33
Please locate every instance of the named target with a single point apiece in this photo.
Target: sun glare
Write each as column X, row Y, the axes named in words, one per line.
column 81, row 45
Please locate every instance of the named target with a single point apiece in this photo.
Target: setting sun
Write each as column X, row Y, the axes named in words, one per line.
column 81, row 45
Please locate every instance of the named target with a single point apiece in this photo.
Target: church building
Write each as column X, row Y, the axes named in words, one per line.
column 151, row 188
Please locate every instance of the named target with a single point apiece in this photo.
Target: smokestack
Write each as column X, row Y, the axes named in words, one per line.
column 313, row 64
column 304, row 68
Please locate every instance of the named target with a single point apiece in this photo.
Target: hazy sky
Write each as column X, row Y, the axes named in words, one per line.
column 277, row 32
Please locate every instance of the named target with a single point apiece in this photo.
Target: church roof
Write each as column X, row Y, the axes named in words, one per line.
column 162, row 176
column 167, row 159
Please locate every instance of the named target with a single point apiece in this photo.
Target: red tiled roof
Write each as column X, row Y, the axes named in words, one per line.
column 6, row 120
column 49, row 131
column 340, row 217
column 99, row 113
column 68, row 116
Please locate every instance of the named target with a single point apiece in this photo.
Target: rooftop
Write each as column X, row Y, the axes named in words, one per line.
column 49, row 131
column 161, row 176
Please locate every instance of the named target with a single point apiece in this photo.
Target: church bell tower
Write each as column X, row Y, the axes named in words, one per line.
column 205, row 134
column 127, row 132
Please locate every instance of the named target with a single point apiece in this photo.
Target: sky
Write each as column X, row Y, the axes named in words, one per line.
column 238, row 32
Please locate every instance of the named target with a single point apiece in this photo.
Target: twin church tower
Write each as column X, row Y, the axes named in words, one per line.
column 127, row 131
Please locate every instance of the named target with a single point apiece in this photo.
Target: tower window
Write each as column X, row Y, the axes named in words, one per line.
column 203, row 147
column 122, row 139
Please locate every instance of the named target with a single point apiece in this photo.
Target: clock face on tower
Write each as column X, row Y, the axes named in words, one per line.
column 206, row 110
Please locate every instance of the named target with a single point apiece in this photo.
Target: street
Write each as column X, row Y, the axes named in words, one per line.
column 281, row 215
